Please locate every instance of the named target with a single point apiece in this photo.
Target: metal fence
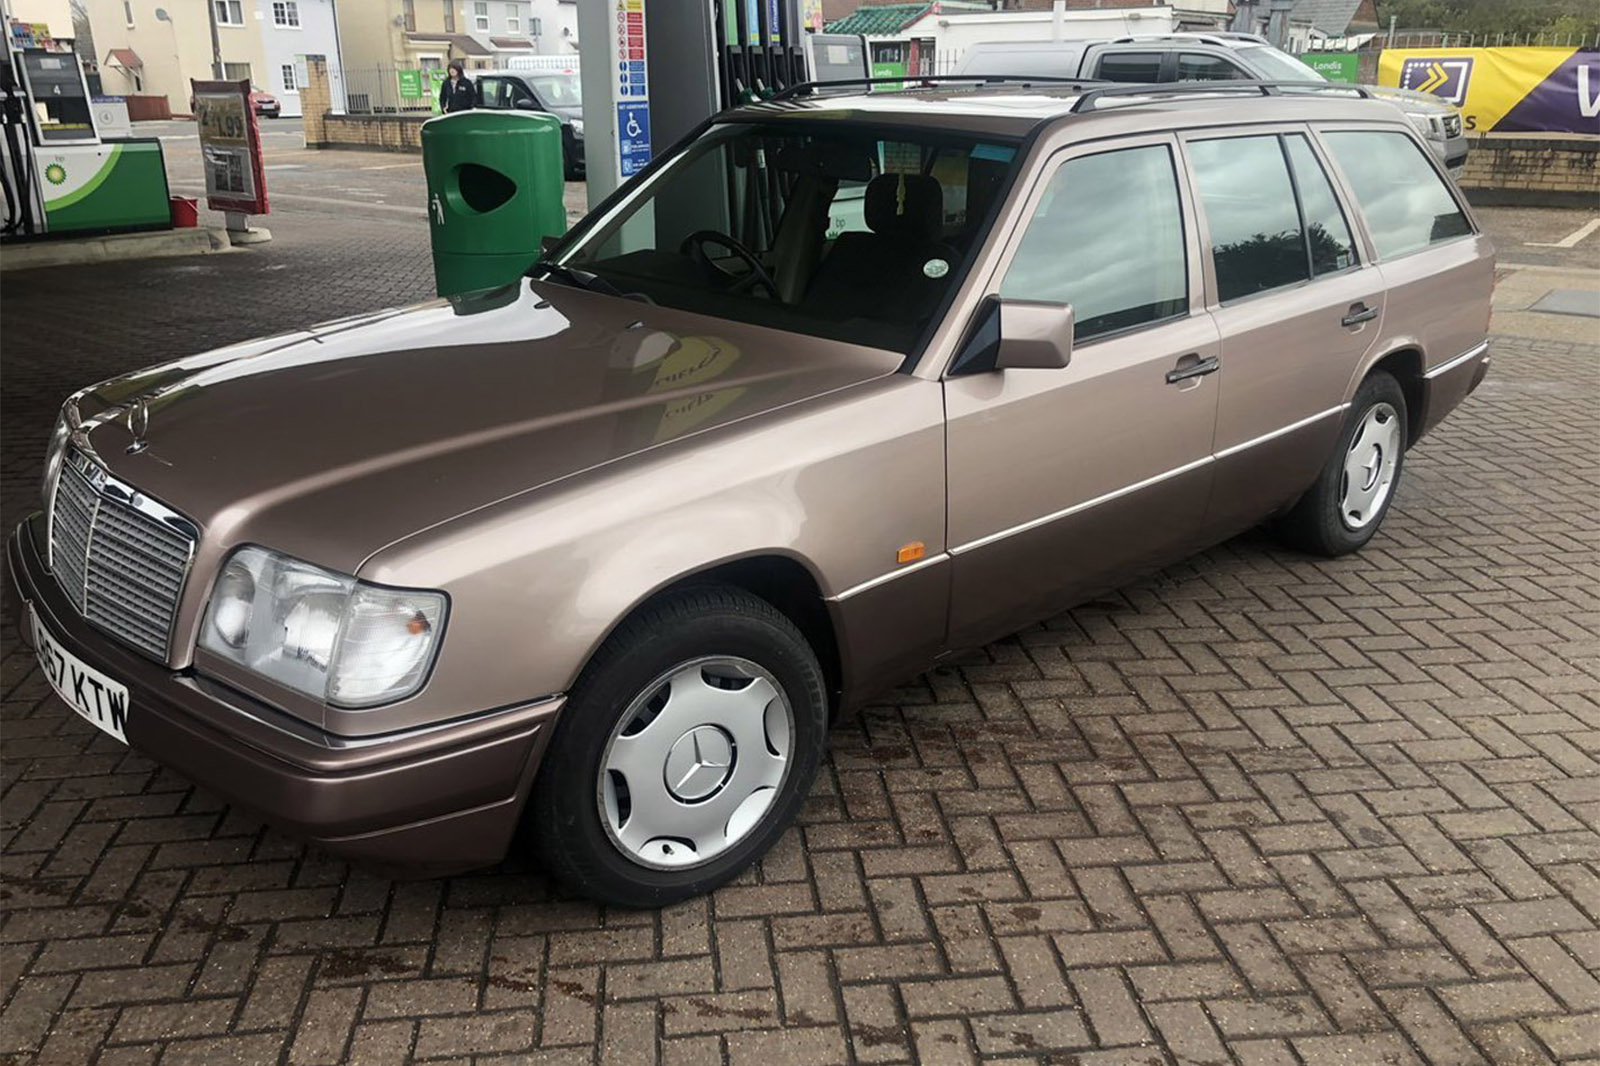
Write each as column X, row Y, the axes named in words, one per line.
column 388, row 91
column 1449, row 39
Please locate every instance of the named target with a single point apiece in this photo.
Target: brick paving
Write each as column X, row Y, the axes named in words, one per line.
column 1259, row 809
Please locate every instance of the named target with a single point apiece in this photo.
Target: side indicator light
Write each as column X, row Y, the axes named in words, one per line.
column 910, row 553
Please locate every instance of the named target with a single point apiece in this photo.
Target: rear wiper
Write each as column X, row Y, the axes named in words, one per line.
column 578, row 279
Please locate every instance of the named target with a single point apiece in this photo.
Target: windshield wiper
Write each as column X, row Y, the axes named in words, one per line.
column 578, row 279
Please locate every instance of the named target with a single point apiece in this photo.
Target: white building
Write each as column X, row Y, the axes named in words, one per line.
column 290, row 31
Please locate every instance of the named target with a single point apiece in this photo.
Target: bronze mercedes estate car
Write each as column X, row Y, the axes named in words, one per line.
column 845, row 383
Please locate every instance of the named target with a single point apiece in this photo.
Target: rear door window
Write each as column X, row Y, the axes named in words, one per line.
column 1199, row 66
column 1107, row 238
column 1405, row 202
column 1130, row 66
column 1256, row 240
column 493, row 93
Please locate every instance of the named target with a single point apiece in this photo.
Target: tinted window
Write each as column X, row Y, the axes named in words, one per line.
column 1107, row 238
column 1131, row 66
column 1327, row 232
column 1406, row 204
column 1255, row 230
column 1197, row 66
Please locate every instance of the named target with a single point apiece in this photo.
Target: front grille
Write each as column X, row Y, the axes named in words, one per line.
column 1452, row 125
column 120, row 558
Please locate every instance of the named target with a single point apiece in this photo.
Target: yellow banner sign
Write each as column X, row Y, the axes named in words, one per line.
column 1530, row 90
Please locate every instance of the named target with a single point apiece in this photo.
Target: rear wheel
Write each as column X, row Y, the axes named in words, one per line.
column 1350, row 498
column 684, row 751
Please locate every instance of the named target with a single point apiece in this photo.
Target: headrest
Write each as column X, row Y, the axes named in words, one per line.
column 908, row 207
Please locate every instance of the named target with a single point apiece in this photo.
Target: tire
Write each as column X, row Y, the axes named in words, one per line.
column 1343, row 509
column 725, row 674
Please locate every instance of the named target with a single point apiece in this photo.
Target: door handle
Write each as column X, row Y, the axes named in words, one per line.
column 1359, row 313
column 1197, row 369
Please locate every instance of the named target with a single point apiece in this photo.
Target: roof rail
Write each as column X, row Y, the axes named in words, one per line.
column 931, row 81
column 1092, row 96
column 1199, row 37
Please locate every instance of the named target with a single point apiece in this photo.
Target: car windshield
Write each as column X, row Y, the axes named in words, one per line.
column 834, row 229
column 558, row 90
column 1273, row 65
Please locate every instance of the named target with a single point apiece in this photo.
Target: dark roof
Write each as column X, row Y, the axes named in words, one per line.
column 885, row 20
column 464, row 43
column 1332, row 17
column 126, row 58
column 511, row 42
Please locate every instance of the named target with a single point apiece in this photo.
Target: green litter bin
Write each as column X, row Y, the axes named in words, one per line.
column 494, row 189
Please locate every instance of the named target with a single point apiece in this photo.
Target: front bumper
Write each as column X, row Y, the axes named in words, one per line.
column 437, row 799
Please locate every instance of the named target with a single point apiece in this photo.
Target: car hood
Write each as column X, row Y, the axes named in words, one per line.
column 331, row 443
column 1412, row 100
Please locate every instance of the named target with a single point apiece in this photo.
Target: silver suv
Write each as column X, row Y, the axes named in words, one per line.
column 1205, row 57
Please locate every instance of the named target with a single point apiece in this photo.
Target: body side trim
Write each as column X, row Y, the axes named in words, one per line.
column 1280, row 431
column 883, row 579
column 1450, row 364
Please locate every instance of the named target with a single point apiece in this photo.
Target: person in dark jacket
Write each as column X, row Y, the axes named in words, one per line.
column 458, row 93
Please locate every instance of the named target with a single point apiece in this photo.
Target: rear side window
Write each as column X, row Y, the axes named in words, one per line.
column 1407, row 206
column 1130, row 66
column 1198, row 66
column 1256, row 242
column 1327, row 233
column 1107, row 238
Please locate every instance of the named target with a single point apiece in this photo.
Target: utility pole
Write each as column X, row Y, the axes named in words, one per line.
column 216, row 42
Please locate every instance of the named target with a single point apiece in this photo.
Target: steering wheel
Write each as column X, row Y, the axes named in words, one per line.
column 694, row 246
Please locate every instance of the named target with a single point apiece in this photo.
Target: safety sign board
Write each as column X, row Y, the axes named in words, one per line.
column 633, row 88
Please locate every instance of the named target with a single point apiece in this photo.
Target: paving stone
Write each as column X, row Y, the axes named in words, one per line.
column 1258, row 808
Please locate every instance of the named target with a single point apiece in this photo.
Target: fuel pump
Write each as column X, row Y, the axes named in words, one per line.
column 59, row 175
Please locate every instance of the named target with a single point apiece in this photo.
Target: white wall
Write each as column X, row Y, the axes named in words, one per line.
column 955, row 33
column 556, row 16
column 283, row 46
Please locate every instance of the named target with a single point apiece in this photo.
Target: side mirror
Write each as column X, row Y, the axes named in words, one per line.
column 1034, row 336
column 525, row 105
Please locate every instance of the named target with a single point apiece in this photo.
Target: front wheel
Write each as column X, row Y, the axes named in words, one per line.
column 1350, row 498
column 684, row 751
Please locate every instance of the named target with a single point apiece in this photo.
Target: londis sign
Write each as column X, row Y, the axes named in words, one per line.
column 1509, row 90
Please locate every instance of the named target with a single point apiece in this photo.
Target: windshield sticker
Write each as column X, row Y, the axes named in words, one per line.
column 936, row 268
column 998, row 153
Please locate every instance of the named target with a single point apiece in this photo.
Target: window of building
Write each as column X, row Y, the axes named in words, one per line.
column 1107, row 238
column 127, row 11
column 286, row 13
column 1406, row 204
column 537, row 25
column 449, row 16
column 480, row 15
column 289, row 84
column 1131, row 66
column 229, row 12
column 408, row 13
column 513, row 19
column 1328, row 239
column 237, row 72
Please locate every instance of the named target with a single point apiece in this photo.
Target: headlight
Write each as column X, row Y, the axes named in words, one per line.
column 323, row 634
column 1427, row 125
column 577, row 127
column 54, row 453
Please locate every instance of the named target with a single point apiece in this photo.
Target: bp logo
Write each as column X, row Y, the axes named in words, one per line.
column 55, row 173
column 1445, row 78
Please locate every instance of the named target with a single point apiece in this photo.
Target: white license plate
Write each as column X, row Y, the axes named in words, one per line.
column 93, row 695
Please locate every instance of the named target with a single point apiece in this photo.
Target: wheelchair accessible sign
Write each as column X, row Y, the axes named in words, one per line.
column 633, row 107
